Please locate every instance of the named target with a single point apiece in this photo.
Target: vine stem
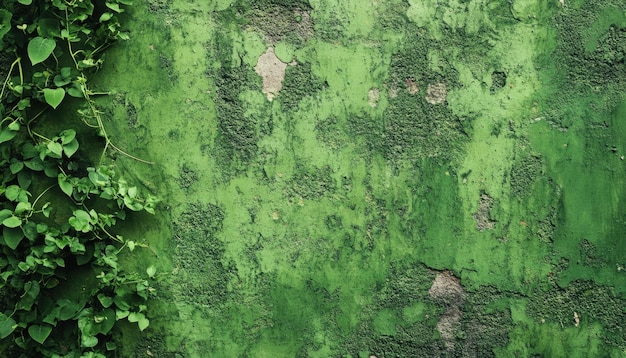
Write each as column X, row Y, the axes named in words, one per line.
column 108, row 142
column 42, row 194
column 6, row 81
column 94, row 111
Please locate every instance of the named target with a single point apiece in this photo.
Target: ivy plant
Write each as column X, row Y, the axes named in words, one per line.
column 62, row 286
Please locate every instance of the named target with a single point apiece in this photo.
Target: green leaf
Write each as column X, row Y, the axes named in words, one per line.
column 75, row 91
column 65, row 185
column 69, row 309
column 106, row 17
column 55, row 148
column 12, row 222
column 7, row 325
column 151, row 271
column 22, row 207
column 39, row 332
column 6, row 134
column 39, row 49
column 119, row 314
column 54, row 97
column 114, row 6
column 24, row 179
column 132, row 204
column 70, row 148
column 67, row 136
column 121, row 303
column 143, row 324
column 88, row 341
column 105, row 300
column 16, row 167
column 46, row 209
column 98, row 178
column 48, row 27
column 5, row 22
column 25, row 2
column 30, row 230
column 135, row 317
column 12, row 192
column 34, row 164
column 12, row 237
column 5, row 213
column 30, row 295
column 61, row 81
column 105, row 320
column 15, row 125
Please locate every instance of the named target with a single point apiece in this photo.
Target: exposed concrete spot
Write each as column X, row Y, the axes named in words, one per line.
column 392, row 92
column 272, row 70
column 373, row 96
column 483, row 215
column 437, row 93
column 447, row 289
column 411, row 86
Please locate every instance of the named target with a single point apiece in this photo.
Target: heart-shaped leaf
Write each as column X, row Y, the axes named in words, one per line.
column 12, row 222
column 39, row 332
column 7, row 325
column 5, row 22
column 55, row 148
column 67, row 136
column 143, row 324
column 54, row 97
column 39, row 49
column 12, row 237
column 88, row 341
column 70, row 148
column 151, row 271
column 65, row 185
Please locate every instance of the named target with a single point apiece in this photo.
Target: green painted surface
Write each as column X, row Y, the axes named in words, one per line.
column 313, row 225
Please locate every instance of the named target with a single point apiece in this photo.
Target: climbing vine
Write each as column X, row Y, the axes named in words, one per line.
column 62, row 286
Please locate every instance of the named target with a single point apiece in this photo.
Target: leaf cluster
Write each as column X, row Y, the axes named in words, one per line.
column 62, row 287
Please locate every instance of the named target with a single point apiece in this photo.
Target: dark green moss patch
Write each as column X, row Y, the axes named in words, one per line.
column 312, row 184
column 591, row 302
column 203, row 274
column 524, row 173
column 498, row 80
column 299, row 83
column 187, row 177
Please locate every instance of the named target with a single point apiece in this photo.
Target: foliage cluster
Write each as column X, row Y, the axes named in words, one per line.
column 62, row 285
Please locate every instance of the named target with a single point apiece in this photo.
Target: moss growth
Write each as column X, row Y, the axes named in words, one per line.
column 238, row 130
column 299, row 83
column 592, row 303
column 198, row 256
column 525, row 171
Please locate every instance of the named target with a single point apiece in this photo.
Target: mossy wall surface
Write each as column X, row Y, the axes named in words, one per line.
column 409, row 137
